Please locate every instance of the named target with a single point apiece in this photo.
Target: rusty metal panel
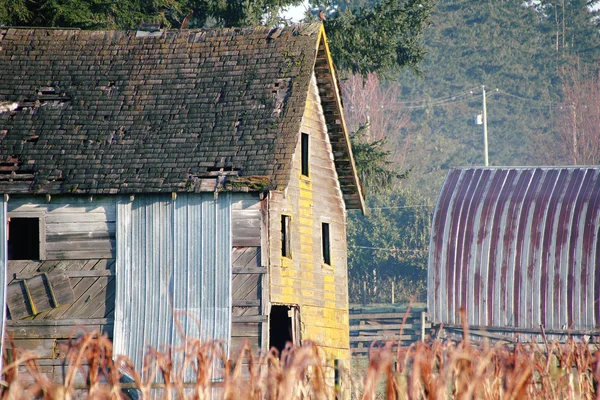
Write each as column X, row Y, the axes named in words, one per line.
column 517, row 247
column 173, row 271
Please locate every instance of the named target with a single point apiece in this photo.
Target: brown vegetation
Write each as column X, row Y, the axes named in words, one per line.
column 433, row 370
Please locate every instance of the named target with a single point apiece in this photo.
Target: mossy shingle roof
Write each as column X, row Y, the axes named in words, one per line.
column 111, row 112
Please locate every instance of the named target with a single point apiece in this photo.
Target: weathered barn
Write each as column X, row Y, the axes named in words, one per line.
column 518, row 249
column 197, row 174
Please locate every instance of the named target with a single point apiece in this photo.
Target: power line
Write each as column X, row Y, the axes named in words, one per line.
column 399, row 207
column 447, row 97
column 389, row 249
column 457, row 97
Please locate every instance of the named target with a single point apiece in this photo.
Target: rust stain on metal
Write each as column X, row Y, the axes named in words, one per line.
column 517, row 247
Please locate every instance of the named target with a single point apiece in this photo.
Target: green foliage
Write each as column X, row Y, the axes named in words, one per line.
column 383, row 37
column 11, row 10
column 129, row 14
column 389, row 243
column 377, row 173
column 503, row 45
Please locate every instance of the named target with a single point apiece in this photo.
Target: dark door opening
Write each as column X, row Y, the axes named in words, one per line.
column 24, row 239
column 284, row 326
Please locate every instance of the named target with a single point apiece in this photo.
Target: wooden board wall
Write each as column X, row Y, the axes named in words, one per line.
column 249, row 274
column 76, row 227
column 47, row 333
column 318, row 289
column 80, row 239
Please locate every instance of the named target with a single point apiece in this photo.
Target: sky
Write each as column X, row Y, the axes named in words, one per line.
column 296, row 13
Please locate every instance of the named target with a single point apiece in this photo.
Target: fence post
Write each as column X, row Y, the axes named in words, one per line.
column 423, row 317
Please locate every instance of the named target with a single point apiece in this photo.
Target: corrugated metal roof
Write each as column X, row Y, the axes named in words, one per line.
column 517, row 247
column 173, row 257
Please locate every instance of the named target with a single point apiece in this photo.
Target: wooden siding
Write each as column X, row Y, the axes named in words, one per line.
column 78, row 240
column 76, row 228
column 248, row 319
column 247, row 315
column 245, row 220
column 318, row 289
column 48, row 332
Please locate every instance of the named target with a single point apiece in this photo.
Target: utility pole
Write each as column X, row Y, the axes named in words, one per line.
column 485, row 139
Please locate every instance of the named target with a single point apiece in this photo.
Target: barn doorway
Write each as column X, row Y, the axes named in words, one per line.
column 284, row 326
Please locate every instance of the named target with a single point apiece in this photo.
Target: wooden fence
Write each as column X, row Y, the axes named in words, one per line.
column 380, row 324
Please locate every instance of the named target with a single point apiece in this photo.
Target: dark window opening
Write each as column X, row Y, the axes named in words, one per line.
column 305, row 154
column 284, row 326
column 24, row 239
column 326, row 243
column 286, row 250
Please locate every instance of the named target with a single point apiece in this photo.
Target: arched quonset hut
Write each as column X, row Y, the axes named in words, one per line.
column 517, row 248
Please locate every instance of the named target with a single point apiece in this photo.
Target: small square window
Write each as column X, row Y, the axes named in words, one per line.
column 305, row 154
column 286, row 249
column 326, row 243
column 23, row 238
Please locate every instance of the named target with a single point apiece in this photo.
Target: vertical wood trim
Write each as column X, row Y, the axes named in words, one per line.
column 3, row 270
column 42, row 236
column 123, row 258
column 265, row 256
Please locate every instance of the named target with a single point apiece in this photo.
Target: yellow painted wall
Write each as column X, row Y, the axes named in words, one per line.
column 318, row 289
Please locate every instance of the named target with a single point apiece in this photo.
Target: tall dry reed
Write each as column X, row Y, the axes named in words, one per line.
column 424, row 370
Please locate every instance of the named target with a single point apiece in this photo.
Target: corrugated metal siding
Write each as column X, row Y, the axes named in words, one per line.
column 173, row 256
column 517, row 247
column 3, row 269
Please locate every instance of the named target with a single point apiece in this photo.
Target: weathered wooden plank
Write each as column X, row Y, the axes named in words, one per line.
column 70, row 227
column 79, row 217
column 244, row 311
column 244, row 202
column 106, row 307
column 39, row 293
column 245, row 241
column 246, row 270
column 245, row 329
column 56, row 332
column 79, row 255
column 245, row 256
column 74, row 274
column 94, row 296
column 16, row 299
column 62, row 203
column 74, row 245
column 246, row 303
column 60, row 286
column 245, row 287
column 252, row 318
column 86, row 292
column 43, row 348
column 63, row 322
column 238, row 343
column 79, row 236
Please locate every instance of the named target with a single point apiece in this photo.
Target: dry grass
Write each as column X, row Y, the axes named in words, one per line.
column 432, row 370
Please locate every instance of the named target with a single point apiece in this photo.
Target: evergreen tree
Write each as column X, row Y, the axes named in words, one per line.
column 506, row 45
column 389, row 244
